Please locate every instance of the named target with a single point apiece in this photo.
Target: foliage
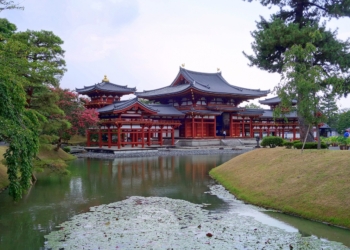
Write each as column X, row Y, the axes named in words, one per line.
column 30, row 62
column 8, row 5
column 73, row 120
column 253, row 106
column 272, row 141
column 296, row 27
column 310, row 145
column 288, row 144
column 296, row 141
column 329, row 108
column 343, row 121
column 19, row 128
column 66, row 149
column 302, row 80
column 341, row 140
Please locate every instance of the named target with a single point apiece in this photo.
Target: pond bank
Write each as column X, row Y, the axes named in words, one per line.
column 313, row 185
column 166, row 152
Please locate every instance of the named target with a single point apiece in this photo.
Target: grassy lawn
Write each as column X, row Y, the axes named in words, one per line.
column 3, row 170
column 314, row 184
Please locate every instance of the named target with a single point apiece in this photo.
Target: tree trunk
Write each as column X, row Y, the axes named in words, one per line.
column 318, row 137
column 34, row 179
column 59, row 143
column 303, row 128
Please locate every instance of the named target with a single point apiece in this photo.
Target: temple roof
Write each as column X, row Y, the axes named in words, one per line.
column 211, row 83
column 165, row 109
column 121, row 105
column 106, row 86
column 250, row 112
column 269, row 114
column 156, row 109
column 273, row 101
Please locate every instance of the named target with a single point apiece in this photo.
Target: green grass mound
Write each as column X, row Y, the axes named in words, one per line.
column 313, row 184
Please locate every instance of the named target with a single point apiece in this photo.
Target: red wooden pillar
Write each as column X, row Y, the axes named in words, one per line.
column 231, row 126
column 243, row 128
column 119, row 136
column 88, row 143
column 161, row 136
column 214, row 126
column 109, row 137
column 268, row 130
column 193, row 126
column 143, row 136
column 149, row 136
column 100, row 138
column 172, row 135
column 294, row 133
column 283, row 131
column 202, row 127
column 132, row 138
column 260, row 132
column 185, row 132
column 251, row 127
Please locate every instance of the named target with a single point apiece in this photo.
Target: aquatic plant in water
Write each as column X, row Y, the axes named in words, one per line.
column 163, row 223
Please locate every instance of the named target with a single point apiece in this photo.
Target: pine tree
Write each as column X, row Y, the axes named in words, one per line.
column 329, row 108
column 296, row 24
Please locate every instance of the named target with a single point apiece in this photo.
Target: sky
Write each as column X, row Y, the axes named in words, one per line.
column 142, row 43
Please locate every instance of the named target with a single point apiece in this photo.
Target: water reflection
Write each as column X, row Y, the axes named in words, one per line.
column 320, row 230
column 92, row 182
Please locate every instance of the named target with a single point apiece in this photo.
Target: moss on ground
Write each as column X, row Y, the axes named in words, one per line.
column 77, row 140
column 314, row 184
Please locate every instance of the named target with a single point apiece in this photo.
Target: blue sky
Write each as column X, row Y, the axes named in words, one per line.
column 142, row 43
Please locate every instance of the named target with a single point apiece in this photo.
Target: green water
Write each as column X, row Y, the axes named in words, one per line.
column 53, row 200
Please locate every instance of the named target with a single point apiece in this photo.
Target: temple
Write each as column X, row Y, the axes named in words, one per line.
column 194, row 106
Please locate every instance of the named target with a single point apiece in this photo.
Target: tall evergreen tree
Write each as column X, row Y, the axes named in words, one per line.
column 292, row 26
column 329, row 108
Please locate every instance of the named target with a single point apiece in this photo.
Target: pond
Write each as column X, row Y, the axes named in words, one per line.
column 93, row 182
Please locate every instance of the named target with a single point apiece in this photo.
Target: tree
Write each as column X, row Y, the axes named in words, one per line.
column 253, row 106
column 73, row 120
column 28, row 61
column 302, row 80
column 329, row 108
column 343, row 121
column 8, row 5
column 292, row 25
column 18, row 125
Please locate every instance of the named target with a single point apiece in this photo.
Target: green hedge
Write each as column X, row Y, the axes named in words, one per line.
column 272, row 141
column 296, row 141
column 288, row 144
column 66, row 149
column 310, row 145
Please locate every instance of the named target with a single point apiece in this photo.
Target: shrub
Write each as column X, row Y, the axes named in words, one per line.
column 296, row 141
column 288, row 144
column 310, row 145
column 272, row 141
column 66, row 149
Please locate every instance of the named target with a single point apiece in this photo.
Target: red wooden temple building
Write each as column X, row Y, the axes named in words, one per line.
column 194, row 106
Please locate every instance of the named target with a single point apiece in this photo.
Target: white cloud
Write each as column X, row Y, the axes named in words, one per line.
column 142, row 43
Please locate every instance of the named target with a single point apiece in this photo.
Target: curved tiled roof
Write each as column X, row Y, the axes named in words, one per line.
column 159, row 109
column 273, row 100
column 205, row 82
column 120, row 105
column 107, row 87
column 268, row 113
column 166, row 109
